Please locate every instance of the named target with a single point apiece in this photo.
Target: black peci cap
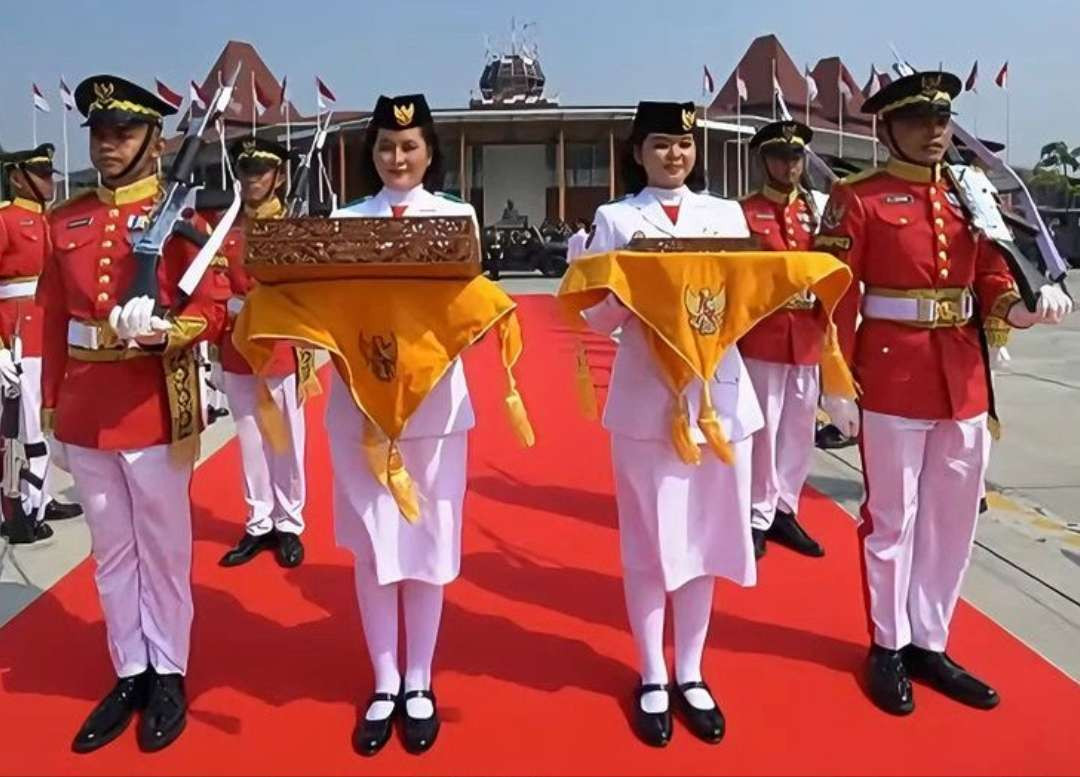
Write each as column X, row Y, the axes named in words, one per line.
column 663, row 118
column 401, row 113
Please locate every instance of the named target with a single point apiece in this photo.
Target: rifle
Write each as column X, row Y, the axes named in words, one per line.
column 171, row 215
column 298, row 201
column 1042, row 262
column 19, row 526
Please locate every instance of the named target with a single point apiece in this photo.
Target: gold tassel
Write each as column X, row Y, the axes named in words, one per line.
column 511, row 347
column 687, row 449
column 269, row 418
column 710, row 426
column 585, row 388
column 307, row 378
column 384, row 459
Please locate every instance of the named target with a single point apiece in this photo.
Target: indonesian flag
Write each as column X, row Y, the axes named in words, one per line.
column 740, row 87
column 1002, row 79
column 262, row 100
column 39, row 99
column 708, row 86
column 969, row 85
column 873, row 86
column 196, row 96
column 811, row 85
column 842, row 85
column 66, row 97
column 323, row 93
column 175, row 99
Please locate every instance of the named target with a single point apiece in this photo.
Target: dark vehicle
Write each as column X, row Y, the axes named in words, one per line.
column 514, row 246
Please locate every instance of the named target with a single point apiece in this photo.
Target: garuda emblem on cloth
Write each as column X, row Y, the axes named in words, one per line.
column 705, row 309
column 380, row 353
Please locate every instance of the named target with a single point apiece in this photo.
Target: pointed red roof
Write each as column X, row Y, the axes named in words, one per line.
column 829, row 73
column 253, row 72
column 756, row 69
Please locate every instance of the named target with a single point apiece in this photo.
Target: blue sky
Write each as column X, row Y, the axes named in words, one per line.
column 593, row 51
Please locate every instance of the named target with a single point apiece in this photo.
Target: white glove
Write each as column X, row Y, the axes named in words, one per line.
column 1053, row 305
column 843, row 413
column 9, row 375
column 999, row 358
column 136, row 321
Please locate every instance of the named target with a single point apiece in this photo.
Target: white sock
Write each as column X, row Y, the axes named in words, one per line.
column 422, row 604
column 691, row 607
column 379, row 614
column 645, row 600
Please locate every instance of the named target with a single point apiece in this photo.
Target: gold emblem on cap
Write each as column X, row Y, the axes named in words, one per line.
column 788, row 132
column 403, row 114
column 688, row 120
column 931, row 84
column 249, row 146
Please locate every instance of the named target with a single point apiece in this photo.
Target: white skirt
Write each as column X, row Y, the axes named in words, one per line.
column 681, row 520
column 366, row 517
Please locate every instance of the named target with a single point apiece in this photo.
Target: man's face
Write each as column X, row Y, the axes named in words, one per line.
column 113, row 147
column 922, row 139
column 257, row 183
column 41, row 176
column 786, row 169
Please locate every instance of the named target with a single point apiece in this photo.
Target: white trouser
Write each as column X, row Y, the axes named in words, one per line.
column 923, row 480
column 139, row 512
column 30, row 432
column 274, row 481
column 783, row 447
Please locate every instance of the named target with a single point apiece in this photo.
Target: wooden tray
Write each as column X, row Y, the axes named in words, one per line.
column 313, row 249
column 671, row 245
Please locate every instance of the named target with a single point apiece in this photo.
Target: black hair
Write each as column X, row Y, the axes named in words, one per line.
column 634, row 177
column 370, row 183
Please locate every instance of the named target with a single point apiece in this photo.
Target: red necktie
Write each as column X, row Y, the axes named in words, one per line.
column 397, row 211
column 672, row 212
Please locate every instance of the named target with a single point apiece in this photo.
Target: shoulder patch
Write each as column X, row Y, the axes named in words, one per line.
column 862, row 175
column 451, row 197
column 833, row 242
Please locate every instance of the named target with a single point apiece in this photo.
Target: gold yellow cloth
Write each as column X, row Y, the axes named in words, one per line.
column 694, row 306
column 391, row 341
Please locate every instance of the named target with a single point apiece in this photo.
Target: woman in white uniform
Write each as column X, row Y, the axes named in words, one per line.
column 680, row 525
column 397, row 560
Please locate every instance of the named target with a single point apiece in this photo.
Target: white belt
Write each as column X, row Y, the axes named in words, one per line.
column 87, row 336
column 918, row 310
column 14, row 289
column 234, row 305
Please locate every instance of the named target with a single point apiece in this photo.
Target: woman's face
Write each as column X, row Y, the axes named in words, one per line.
column 667, row 159
column 402, row 157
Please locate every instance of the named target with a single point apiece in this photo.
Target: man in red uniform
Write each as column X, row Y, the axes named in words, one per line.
column 120, row 385
column 24, row 242
column 274, row 480
column 782, row 352
column 925, row 283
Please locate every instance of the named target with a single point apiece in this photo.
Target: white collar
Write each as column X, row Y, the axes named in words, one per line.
column 403, row 196
column 666, row 196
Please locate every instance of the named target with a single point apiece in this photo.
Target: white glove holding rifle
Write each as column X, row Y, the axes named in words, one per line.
column 135, row 320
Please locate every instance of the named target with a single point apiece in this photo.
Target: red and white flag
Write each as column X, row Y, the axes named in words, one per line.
column 811, row 85
column 175, row 99
column 708, row 86
column 39, row 99
column 1002, row 79
column 873, row 86
column 262, row 99
column 740, row 88
column 969, row 85
column 842, row 85
column 323, row 94
column 196, row 96
column 66, row 97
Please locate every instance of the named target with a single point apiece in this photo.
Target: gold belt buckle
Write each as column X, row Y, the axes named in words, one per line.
column 950, row 312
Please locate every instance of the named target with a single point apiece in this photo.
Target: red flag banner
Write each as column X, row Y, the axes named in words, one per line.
column 1002, row 79
column 969, row 86
column 168, row 95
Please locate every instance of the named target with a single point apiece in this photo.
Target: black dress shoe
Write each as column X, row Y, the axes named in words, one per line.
column 166, row 712
column 61, row 511
column 370, row 735
column 706, row 725
column 112, row 715
column 759, row 536
column 652, row 728
column 887, row 681
column 248, row 548
column 290, row 550
column 829, row 437
column 419, row 733
column 24, row 531
column 945, row 675
column 786, row 531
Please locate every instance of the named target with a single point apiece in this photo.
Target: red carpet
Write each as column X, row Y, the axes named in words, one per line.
column 535, row 663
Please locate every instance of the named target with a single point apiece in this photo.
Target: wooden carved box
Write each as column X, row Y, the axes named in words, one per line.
column 671, row 245
column 313, row 249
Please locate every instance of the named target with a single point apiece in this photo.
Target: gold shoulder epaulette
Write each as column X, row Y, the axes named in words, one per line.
column 862, row 175
column 73, row 198
column 4, row 204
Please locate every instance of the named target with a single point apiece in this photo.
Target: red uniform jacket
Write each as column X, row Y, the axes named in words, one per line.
column 129, row 403
column 24, row 242
column 783, row 222
column 240, row 283
column 902, row 227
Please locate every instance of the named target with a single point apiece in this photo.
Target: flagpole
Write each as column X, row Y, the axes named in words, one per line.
column 705, row 111
column 873, row 131
column 840, row 101
column 254, row 102
column 774, row 85
column 1008, row 140
column 318, row 122
column 33, row 117
column 738, row 143
column 725, row 170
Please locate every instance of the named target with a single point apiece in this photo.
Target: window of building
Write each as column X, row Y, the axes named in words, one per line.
column 587, row 164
